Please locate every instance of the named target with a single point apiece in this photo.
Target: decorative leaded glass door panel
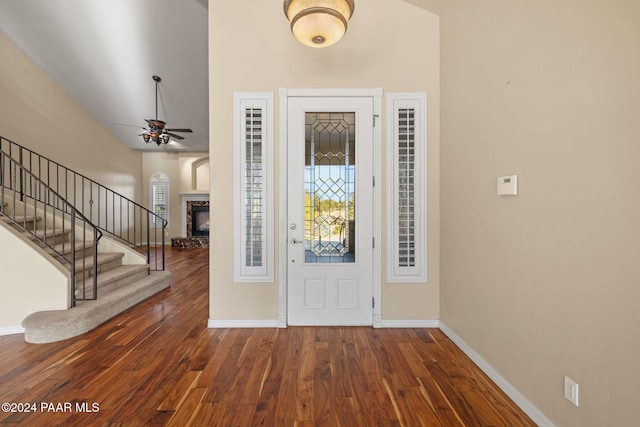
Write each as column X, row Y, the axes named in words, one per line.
column 330, row 200
column 329, row 189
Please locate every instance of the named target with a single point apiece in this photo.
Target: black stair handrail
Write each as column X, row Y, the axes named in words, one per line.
column 114, row 214
column 59, row 218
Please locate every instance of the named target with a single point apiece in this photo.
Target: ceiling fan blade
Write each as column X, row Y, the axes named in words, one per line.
column 180, row 130
column 174, row 136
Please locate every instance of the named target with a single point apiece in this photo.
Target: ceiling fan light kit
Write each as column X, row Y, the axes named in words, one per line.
column 318, row 23
column 157, row 131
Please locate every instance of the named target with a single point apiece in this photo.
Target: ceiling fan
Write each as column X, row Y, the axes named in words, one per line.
column 157, row 131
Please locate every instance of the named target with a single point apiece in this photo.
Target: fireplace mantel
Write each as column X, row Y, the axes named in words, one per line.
column 189, row 197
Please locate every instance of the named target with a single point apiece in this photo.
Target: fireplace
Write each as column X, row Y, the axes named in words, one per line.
column 195, row 222
column 199, row 221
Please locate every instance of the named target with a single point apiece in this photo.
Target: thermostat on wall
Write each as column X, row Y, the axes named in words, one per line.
column 508, row 185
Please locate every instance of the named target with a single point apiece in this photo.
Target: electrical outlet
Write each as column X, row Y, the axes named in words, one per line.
column 571, row 390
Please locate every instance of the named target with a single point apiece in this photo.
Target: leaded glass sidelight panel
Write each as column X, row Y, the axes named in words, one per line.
column 330, row 190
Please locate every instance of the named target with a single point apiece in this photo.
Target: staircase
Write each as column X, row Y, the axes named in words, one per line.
column 119, row 286
column 102, row 283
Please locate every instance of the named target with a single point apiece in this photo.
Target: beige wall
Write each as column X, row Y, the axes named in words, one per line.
column 30, row 282
column 194, row 172
column 252, row 50
column 37, row 113
column 545, row 284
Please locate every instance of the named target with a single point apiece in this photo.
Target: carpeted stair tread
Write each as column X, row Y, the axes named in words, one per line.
column 51, row 232
column 104, row 258
column 118, row 273
column 114, row 278
column 65, row 248
column 20, row 219
column 57, row 325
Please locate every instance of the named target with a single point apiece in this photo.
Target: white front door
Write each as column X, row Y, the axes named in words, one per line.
column 330, row 211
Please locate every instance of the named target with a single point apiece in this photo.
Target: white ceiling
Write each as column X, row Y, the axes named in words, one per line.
column 105, row 52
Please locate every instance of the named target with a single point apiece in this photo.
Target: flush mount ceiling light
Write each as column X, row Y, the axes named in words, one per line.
column 318, row 23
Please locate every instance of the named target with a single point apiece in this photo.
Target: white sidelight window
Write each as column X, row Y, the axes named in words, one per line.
column 407, row 187
column 253, row 187
column 159, row 190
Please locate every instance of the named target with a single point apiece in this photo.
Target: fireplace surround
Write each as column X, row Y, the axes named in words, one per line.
column 195, row 221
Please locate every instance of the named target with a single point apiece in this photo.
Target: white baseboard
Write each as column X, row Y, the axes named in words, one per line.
column 409, row 323
column 11, row 330
column 276, row 323
column 257, row 323
column 533, row 412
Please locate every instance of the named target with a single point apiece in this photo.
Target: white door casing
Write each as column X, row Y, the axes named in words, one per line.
column 330, row 210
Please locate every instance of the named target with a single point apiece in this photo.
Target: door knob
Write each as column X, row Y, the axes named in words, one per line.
column 294, row 241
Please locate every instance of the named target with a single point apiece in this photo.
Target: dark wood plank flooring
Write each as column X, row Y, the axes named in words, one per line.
column 159, row 364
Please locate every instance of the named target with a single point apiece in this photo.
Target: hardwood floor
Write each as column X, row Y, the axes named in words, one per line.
column 158, row 364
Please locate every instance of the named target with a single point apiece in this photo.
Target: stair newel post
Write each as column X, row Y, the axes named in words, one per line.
column 95, row 263
column 149, row 219
column 164, row 227
column 73, row 260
